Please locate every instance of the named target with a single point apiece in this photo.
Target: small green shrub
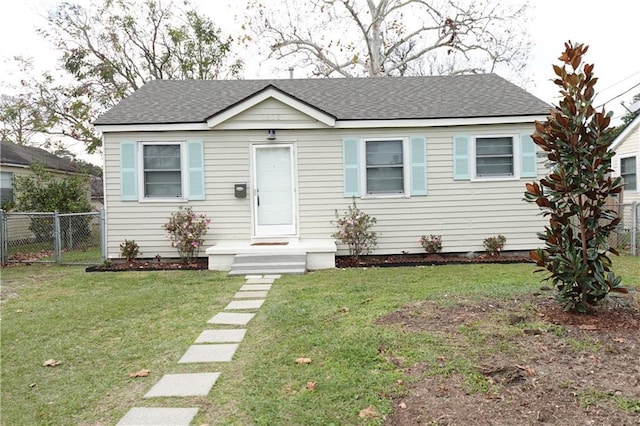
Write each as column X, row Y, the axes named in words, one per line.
column 494, row 245
column 129, row 249
column 354, row 230
column 431, row 243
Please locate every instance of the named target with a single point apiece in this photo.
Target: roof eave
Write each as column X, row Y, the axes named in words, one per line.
column 339, row 124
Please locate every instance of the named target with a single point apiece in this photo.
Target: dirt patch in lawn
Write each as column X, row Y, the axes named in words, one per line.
column 523, row 362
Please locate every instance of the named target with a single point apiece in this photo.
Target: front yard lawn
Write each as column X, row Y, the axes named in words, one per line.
column 373, row 336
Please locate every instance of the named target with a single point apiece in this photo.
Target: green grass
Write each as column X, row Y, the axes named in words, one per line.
column 103, row 326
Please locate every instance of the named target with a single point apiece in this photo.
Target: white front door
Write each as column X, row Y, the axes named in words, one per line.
column 274, row 198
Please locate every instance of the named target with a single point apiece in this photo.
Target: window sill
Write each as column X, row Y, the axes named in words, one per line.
column 496, row 179
column 383, row 196
column 162, row 200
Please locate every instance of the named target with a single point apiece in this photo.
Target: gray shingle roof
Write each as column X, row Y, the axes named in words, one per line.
column 461, row 96
column 12, row 153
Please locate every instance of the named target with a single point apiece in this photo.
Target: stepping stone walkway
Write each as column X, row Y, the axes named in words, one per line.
column 211, row 346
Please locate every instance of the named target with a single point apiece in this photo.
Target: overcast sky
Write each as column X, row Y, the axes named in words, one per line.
column 609, row 28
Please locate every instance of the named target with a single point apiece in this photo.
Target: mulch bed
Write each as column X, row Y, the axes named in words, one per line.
column 341, row 262
column 395, row 260
column 149, row 265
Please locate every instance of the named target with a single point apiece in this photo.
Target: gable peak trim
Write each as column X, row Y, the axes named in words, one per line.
column 271, row 92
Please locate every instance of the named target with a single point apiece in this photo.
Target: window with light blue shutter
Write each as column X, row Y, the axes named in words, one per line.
column 418, row 151
column 351, row 167
column 128, row 173
column 195, row 166
column 461, row 160
column 528, row 158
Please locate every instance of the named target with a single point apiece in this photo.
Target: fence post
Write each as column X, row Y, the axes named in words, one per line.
column 57, row 238
column 4, row 237
column 103, row 236
column 634, row 228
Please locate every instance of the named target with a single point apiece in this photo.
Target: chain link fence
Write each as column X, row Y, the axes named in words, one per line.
column 69, row 238
column 627, row 238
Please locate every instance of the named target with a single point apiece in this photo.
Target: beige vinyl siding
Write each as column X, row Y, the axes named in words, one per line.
column 630, row 146
column 463, row 212
column 269, row 113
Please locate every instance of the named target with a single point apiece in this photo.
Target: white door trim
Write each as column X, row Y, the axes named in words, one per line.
column 279, row 230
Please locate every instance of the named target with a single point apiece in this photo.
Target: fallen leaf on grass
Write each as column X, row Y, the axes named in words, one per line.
column 369, row 413
column 311, row 386
column 51, row 363
column 141, row 373
column 620, row 339
column 344, row 309
column 402, row 405
column 303, row 361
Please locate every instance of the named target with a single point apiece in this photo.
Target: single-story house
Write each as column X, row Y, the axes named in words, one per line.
column 270, row 161
column 626, row 161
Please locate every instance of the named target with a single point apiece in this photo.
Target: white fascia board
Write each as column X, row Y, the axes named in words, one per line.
column 107, row 128
column 275, row 94
column 437, row 122
column 623, row 135
column 339, row 124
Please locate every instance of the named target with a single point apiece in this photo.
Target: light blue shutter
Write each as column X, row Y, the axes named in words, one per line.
column 128, row 172
column 528, row 158
column 461, row 152
column 351, row 167
column 195, row 166
column 418, row 162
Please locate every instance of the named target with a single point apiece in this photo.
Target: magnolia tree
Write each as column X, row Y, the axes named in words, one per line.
column 574, row 194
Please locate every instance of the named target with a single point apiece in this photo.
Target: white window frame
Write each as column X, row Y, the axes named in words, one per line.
column 405, row 167
column 515, row 139
column 631, row 155
column 11, row 177
column 183, row 173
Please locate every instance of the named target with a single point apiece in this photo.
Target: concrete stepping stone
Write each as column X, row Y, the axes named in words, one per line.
column 250, row 294
column 221, row 336
column 244, row 304
column 271, row 276
column 209, row 353
column 189, row 384
column 142, row 416
column 231, row 318
column 260, row 280
column 255, row 287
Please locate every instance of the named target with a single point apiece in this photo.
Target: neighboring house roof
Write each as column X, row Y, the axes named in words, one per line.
column 382, row 98
column 23, row 156
column 635, row 123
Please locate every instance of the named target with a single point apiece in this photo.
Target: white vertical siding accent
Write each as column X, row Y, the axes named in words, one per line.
column 630, row 146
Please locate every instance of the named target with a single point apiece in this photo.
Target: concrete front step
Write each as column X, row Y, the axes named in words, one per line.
column 251, row 264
